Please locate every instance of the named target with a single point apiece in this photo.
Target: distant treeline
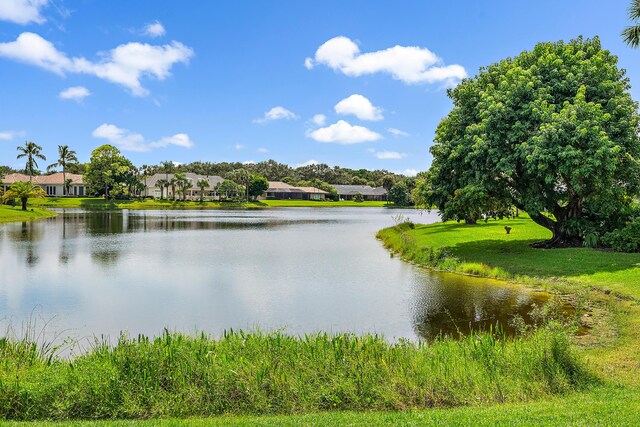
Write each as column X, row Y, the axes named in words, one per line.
column 270, row 169
column 275, row 171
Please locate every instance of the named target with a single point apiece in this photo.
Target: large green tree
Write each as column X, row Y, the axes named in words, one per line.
column 257, row 186
column 108, row 172
column 552, row 131
column 31, row 151
column 241, row 177
column 65, row 158
column 631, row 34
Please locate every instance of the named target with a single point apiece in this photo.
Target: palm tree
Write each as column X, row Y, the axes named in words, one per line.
column 22, row 191
column 65, row 158
column 202, row 184
column 31, row 151
column 161, row 183
column 172, row 182
column 631, row 34
column 167, row 184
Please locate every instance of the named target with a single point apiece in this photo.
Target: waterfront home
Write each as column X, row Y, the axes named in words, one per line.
column 282, row 191
column 52, row 184
column 152, row 189
column 348, row 192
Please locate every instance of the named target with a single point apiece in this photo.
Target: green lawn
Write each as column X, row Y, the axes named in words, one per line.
column 10, row 214
column 100, row 203
column 488, row 243
column 605, row 406
column 322, row 204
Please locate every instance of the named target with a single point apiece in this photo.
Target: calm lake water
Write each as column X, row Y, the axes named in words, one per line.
column 301, row 270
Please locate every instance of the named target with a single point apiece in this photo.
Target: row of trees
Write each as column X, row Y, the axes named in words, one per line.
column 275, row 171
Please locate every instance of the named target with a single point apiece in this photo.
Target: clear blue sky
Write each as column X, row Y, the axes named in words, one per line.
column 248, row 80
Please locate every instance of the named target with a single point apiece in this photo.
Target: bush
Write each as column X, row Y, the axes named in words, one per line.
column 358, row 198
column 625, row 239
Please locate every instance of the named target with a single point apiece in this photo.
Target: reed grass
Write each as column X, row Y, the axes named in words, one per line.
column 178, row 375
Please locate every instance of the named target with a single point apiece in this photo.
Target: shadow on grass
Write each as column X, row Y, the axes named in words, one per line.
column 518, row 257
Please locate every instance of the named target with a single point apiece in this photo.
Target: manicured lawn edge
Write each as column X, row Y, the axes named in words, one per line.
column 100, row 203
column 15, row 214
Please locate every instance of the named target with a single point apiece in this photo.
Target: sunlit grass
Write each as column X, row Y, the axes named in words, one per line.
column 10, row 214
column 486, row 249
column 176, row 375
column 100, row 203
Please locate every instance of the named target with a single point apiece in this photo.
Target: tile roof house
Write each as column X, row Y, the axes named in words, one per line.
column 347, row 192
column 153, row 190
column 52, row 184
column 282, row 191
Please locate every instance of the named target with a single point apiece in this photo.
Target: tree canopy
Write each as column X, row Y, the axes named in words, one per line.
column 553, row 132
column 31, row 151
column 109, row 173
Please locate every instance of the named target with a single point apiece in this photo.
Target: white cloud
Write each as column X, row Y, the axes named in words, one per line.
column 308, row 63
column 179, row 139
column 8, row 135
column 307, row 163
column 410, row 64
column 248, row 162
column 154, row 29
column 125, row 65
column 22, row 12
column 408, row 172
column 276, row 113
column 360, row 107
column 131, row 141
column 262, row 150
column 239, row 147
column 397, row 132
column 386, row 155
column 76, row 93
column 344, row 133
column 319, row 119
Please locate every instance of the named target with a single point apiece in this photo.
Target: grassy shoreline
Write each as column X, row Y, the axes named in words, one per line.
column 16, row 214
column 100, row 203
column 177, row 375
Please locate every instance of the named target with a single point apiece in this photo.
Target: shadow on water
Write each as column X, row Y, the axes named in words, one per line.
column 455, row 305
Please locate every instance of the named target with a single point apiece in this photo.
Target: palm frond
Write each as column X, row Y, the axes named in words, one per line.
column 631, row 36
column 634, row 10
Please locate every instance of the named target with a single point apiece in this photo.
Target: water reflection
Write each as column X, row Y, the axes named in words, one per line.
column 450, row 304
column 300, row 269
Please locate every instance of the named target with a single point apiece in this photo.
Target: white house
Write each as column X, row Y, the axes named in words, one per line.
column 52, row 184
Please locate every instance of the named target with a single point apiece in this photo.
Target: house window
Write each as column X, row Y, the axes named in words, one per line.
column 51, row 190
column 80, row 191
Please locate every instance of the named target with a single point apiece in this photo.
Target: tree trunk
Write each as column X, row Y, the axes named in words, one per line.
column 470, row 221
column 560, row 238
column 64, row 182
column 23, row 200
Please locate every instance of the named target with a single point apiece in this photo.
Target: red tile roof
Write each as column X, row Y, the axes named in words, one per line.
column 53, row 179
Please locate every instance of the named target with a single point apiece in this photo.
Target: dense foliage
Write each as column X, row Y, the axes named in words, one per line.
column 110, row 174
column 553, row 132
column 275, row 171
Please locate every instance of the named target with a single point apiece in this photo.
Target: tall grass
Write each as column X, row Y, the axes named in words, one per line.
column 177, row 375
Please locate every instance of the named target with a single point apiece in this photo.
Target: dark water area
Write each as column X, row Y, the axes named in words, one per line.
column 296, row 269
